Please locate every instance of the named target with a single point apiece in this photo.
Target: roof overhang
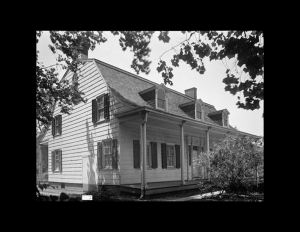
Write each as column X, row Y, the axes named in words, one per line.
column 131, row 114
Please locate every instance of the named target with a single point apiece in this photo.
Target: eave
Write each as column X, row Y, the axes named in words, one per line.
column 178, row 119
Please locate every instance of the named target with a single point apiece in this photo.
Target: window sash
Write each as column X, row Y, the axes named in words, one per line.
column 171, row 156
column 199, row 114
column 161, row 103
column 100, row 108
column 56, row 163
column 149, row 158
column 107, row 154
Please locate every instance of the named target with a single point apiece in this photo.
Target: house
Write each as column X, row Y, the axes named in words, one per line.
column 131, row 132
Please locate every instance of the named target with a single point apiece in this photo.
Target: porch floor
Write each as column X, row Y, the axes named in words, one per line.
column 155, row 188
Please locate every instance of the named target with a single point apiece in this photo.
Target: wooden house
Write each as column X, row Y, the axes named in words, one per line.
column 132, row 132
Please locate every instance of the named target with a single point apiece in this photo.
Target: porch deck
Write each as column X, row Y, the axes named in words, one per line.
column 155, row 188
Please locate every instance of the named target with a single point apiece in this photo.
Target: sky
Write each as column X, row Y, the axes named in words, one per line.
column 210, row 87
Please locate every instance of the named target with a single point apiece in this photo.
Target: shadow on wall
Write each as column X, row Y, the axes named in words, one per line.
column 90, row 160
column 112, row 132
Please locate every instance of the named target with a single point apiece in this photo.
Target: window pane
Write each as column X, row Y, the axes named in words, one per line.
column 161, row 103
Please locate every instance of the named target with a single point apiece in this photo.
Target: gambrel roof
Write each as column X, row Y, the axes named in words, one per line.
column 128, row 86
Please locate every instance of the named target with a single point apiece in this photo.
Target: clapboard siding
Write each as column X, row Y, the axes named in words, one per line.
column 79, row 137
column 131, row 131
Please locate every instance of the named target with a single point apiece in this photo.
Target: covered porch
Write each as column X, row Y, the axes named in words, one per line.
column 193, row 136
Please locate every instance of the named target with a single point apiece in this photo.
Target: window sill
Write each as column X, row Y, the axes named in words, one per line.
column 108, row 169
column 57, row 135
column 101, row 121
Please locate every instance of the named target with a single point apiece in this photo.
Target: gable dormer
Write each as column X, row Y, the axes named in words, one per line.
column 156, row 96
column 220, row 117
column 194, row 109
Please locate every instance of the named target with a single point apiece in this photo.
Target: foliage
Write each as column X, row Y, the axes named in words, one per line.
column 233, row 160
column 244, row 46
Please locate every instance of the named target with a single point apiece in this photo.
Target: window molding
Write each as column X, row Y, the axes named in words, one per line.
column 174, row 156
column 199, row 102
column 162, row 88
column 101, row 153
column 56, row 161
column 96, row 102
column 57, row 126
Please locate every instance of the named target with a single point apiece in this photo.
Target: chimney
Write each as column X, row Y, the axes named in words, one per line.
column 192, row 92
column 83, row 54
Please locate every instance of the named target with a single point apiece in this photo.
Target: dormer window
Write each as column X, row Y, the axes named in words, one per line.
column 225, row 120
column 161, row 101
column 199, row 111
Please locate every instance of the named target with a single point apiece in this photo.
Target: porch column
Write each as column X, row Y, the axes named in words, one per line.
column 182, row 152
column 40, row 162
column 144, row 185
column 187, row 157
column 145, row 154
column 142, row 158
column 207, row 150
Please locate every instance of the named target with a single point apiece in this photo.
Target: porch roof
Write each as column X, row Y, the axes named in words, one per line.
column 178, row 119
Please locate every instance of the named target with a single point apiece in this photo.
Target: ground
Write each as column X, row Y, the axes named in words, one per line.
column 203, row 194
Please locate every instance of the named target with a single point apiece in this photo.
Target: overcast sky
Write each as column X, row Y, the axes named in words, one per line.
column 210, row 87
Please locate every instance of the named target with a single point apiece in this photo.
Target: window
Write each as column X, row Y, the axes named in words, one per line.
column 161, row 99
column 171, row 160
column 199, row 111
column 100, row 108
column 107, row 154
column 225, row 120
column 151, row 155
column 57, row 125
column 75, row 81
column 57, row 161
column 149, row 161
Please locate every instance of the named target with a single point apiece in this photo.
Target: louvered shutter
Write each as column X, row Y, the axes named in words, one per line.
column 106, row 106
column 94, row 110
column 115, row 154
column 177, row 151
column 154, row 154
column 163, row 155
column 59, row 124
column 204, row 141
column 60, row 160
column 53, row 127
column 99, row 155
column 53, row 160
column 136, row 154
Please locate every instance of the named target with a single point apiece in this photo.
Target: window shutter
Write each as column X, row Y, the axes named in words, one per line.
column 106, row 106
column 204, row 141
column 154, row 154
column 94, row 110
column 136, row 154
column 115, row 154
column 53, row 160
column 53, row 127
column 59, row 123
column 177, row 151
column 60, row 160
column 163, row 155
column 99, row 155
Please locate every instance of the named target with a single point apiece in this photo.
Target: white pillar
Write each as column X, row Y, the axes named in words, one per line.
column 182, row 152
column 207, row 150
column 142, row 157
column 187, row 157
column 145, row 155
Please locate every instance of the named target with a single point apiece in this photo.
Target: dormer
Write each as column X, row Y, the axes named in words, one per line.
column 220, row 117
column 156, row 96
column 194, row 109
